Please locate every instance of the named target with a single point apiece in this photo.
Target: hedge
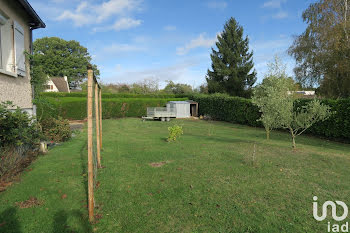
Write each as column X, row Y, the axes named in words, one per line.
column 242, row 111
column 113, row 96
column 74, row 108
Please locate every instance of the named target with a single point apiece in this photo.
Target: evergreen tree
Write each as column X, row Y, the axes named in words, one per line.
column 232, row 63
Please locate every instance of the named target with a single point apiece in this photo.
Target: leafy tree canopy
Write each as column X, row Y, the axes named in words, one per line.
column 58, row 57
column 322, row 51
column 177, row 88
column 232, row 63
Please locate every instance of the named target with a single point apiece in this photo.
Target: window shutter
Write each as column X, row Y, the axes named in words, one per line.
column 19, row 47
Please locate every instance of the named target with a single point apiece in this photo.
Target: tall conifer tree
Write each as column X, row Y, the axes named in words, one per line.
column 232, row 64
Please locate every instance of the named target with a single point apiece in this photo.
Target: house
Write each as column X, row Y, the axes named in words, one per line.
column 57, row 84
column 304, row 94
column 17, row 22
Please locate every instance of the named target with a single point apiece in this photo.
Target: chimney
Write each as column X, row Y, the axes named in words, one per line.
column 65, row 78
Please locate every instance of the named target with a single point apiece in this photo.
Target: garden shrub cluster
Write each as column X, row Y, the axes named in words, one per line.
column 75, row 108
column 242, row 111
column 19, row 135
column 56, row 130
column 17, row 128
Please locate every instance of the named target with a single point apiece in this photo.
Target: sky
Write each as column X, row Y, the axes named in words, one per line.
column 133, row 40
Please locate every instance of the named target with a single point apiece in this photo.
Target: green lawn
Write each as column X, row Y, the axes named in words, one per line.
column 209, row 183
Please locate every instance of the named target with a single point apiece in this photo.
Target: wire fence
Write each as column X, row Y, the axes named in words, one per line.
column 94, row 113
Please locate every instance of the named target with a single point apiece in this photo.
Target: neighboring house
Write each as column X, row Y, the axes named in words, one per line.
column 304, row 94
column 57, row 84
column 17, row 22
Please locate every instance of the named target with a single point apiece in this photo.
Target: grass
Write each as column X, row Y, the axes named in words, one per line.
column 212, row 179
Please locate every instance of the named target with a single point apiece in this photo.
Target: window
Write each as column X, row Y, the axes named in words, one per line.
column 12, row 57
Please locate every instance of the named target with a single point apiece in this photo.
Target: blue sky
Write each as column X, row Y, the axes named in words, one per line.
column 131, row 40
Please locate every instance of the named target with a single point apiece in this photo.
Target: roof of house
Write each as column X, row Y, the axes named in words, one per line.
column 60, row 83
column 36, row 21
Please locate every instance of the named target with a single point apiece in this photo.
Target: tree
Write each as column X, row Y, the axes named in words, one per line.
column 276, row 100
column 272, row 93
column 38, row 78
column 232, row 63
column 145, row 86
column 322, row 51
column 58, row 57
column 177, row 88
column 297, row 121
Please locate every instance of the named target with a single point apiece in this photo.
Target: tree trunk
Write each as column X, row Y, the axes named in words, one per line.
column 293, row 138
column 267, row 133
column 294, row 145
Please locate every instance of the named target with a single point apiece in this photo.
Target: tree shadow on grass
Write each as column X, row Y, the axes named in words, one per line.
column 9, row 222
column 60, row 224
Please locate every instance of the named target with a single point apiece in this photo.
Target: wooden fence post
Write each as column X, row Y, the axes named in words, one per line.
column 90, row 144
column 100, row 98
column 97, row 116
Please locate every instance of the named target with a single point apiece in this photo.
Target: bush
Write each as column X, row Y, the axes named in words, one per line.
column 17, row 128
column 56, row 130
column 231, row 109
column 19, row 136
column 174, row 132
column 242, row 111
column 74, row 108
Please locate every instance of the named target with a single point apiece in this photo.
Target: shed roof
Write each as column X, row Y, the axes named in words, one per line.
column 179, row 102
column 192, row 102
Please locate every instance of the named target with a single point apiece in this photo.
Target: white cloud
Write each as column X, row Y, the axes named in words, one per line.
column 87, row 13
column 121, row 24
column 200, row 41
column 170, row 28
column 273, row 3
column 175, row 72
column 221, row 5
column 113, row 7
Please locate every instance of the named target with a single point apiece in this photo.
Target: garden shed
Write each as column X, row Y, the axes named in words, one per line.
column 184, row 109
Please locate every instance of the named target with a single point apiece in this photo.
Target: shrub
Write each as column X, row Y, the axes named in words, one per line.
column 242, row 111
column 19, row 135
column 17, row 128
column 231, row 109
column 56, row 130
column 174, row 132
column 74, row 108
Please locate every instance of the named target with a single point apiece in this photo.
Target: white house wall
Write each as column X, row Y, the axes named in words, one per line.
column 54, row 89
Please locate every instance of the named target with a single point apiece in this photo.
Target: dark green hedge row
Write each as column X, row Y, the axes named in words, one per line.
column 231, row 109
column 338, row 125
column 113, row 96
column 242, row 111
column 75, row 108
